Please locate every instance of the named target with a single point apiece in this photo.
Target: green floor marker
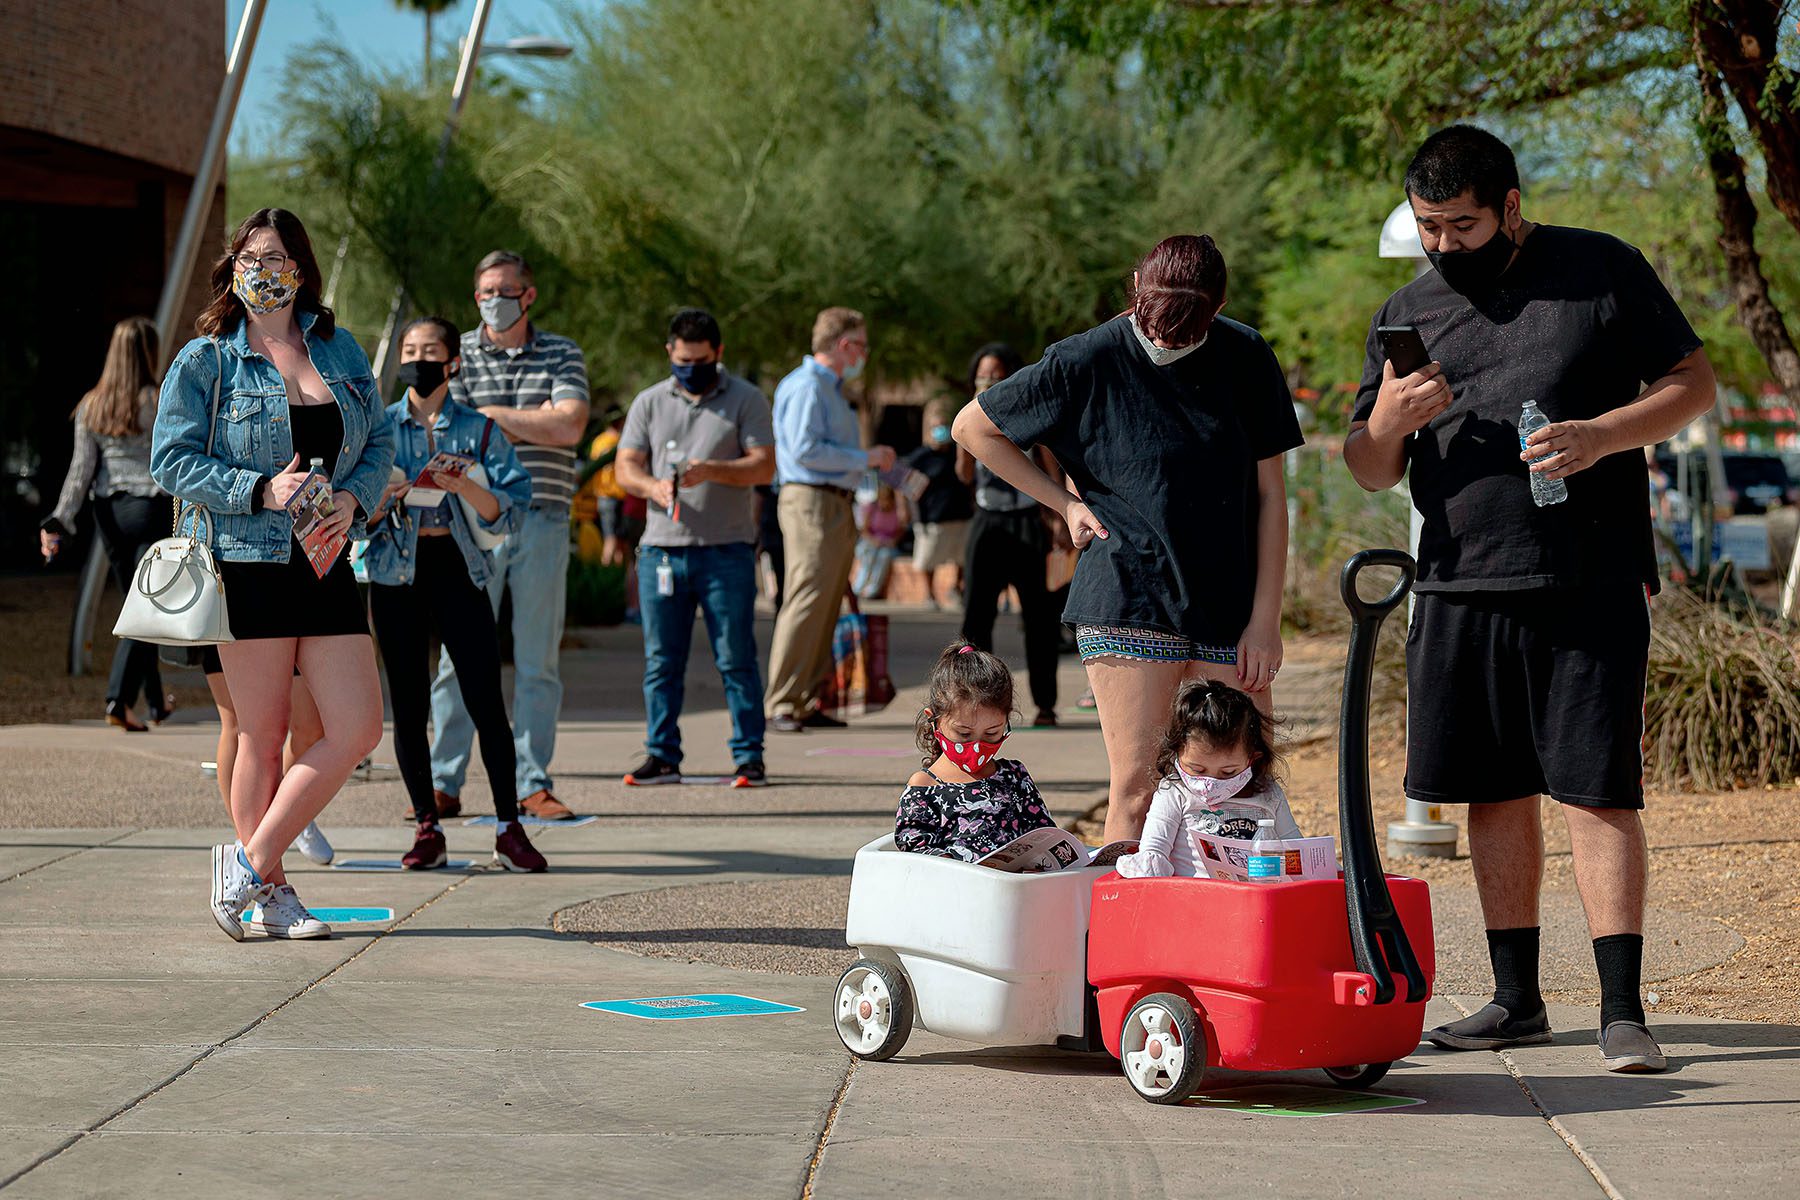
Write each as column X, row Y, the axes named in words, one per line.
column 1296, row 1100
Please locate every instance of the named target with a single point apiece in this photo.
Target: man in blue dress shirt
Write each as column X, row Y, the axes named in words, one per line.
column 818, row 460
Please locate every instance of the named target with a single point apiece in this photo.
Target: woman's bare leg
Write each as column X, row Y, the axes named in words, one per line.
column 304, row 723
column 1133, row 699
column 340, row 673
column 226, row 754
column 258, row 672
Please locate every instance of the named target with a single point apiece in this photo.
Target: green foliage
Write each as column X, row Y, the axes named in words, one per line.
column 596, row 593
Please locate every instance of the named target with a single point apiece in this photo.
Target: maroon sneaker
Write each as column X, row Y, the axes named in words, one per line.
column 514, row 851
column 428, row 849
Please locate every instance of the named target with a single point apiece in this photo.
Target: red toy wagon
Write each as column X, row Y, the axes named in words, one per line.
column 1181, row 974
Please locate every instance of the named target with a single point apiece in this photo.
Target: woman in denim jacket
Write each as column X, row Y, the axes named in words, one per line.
column 426, row 571
column 293, row 388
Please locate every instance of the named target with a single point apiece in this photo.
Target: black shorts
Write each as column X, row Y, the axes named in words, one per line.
column 1514, row 694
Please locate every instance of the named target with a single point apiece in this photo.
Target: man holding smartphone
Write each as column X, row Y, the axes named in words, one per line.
column 1530, row 636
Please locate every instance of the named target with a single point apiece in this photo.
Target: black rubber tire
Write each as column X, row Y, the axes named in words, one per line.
column 1183, row 1083
column 900, row 1009
column 1359, row 1076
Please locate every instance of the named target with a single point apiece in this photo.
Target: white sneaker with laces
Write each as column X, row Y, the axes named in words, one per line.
column 235, row 887
column 279, row 914
column 312, row 843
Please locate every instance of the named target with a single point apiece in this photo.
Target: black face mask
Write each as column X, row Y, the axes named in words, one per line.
column 422, row 375
column 1476, row 270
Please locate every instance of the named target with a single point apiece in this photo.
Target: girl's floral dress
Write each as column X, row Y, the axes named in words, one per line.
column 969, row 820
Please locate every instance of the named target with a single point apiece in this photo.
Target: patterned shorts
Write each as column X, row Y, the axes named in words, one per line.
column 1147, row 645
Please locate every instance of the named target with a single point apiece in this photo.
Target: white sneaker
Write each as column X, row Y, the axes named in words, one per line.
column 312, row 843
column 279, row 914
column 235, row 887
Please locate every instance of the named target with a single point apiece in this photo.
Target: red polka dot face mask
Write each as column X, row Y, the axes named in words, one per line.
column 970, row 756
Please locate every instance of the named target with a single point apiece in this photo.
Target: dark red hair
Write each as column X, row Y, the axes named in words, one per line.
column 1180, row 286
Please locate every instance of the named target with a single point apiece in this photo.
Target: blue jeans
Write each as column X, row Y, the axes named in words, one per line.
column 721, row 582
column 535, row 560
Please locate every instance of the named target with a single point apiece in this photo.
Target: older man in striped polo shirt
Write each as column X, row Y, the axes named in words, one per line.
column 534, row 386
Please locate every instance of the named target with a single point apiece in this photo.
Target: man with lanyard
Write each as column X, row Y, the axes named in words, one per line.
column 694, row 446
column 533, row 385
column 819, row 461
column 1530, row 636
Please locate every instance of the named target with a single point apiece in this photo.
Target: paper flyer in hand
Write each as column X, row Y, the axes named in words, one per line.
column 428, row 489
column 1228, row 858
column 308, row 508
column 908, row 481
column 1052, row 849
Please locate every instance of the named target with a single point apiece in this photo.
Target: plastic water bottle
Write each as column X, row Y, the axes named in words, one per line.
column 1268, row 854
column 1544, row 491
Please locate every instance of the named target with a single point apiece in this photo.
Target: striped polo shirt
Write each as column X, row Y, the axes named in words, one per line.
column 547, row 367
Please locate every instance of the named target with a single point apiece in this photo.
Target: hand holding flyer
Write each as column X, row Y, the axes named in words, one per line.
column 1052, row 849
column 908, row 481
column 429, row 488
column 309, row 508
column 1228, row 858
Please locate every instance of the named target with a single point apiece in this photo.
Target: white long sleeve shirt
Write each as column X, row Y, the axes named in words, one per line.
column 1167, row 848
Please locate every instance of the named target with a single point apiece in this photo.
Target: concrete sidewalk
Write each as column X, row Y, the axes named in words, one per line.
column 446, row 1051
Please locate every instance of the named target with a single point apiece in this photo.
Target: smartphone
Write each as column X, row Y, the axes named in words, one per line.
column 1405, row 348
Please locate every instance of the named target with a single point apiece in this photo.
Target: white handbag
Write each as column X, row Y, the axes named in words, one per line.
column 176, row 596
column 484, row 540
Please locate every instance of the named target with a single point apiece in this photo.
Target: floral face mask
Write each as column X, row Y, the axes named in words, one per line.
column 1210, row 791
column 264, row 291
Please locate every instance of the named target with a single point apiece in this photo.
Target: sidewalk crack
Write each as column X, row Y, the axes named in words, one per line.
column 1556, row 1126
column 66, row 858
column 831, row 1115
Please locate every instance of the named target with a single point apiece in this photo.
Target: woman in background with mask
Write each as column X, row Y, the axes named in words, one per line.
column 426, row 571
column 293, row 390
column 1171, row 422
column 1009, row 541
column 941, row 513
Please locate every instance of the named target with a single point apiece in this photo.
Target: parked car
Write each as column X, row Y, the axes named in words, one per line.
column 1754, row 483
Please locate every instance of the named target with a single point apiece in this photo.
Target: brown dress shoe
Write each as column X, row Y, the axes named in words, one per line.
column 545, row 807
column 447, row 805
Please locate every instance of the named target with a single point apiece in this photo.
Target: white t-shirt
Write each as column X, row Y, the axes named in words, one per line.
column 1166, row 847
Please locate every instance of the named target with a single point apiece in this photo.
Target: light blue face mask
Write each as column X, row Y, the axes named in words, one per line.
column 852, row 370
column 1162, row 356
column 940, row 434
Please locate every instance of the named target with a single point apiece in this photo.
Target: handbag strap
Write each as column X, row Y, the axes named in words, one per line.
column 212, row 427
column 487, row 432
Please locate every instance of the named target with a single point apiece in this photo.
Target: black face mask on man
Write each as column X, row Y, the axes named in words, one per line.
column 1476, row 270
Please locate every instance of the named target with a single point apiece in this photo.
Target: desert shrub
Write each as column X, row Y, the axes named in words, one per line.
column 1722, row 698
column 596, row 593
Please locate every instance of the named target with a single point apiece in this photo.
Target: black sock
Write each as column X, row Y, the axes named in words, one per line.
column 1620, row 959
column 1514, row 954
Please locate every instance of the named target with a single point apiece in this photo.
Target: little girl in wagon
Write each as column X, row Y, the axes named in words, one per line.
column 966, row 801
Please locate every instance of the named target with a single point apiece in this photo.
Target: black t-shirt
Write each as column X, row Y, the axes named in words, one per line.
column 1579, row 323
column 946, row 498
column 1166, row 458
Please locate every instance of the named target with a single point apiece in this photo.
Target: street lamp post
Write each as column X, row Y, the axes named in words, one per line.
column 472, row 48
column 1423, row 831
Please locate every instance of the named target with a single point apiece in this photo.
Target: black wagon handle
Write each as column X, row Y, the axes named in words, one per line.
column 1377, row 938
column 1361, row 609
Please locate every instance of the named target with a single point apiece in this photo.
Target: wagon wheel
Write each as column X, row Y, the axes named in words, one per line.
column 1162, row 1049
column 874, row 1009
column 1359, row 1076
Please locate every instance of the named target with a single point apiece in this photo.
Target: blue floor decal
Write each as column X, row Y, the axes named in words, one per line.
column 345, row 916
column 571, row 823
column 684, row 1008
column 393, row 864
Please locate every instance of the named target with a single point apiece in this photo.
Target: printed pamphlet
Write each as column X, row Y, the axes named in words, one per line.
column 1228, row 858
column 1053, row 849
column 308, row 508
column 908, row 481
column 428, row 489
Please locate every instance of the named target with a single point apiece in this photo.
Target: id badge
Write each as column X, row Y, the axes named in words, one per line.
column 665, row 578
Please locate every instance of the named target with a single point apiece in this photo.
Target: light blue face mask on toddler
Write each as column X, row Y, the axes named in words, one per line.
column 1213, row 792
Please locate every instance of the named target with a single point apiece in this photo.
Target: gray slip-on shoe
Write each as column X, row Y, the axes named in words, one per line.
column 1628, row 1046
column 1493, row 1028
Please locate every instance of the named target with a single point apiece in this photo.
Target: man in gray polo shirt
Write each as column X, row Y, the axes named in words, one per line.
column 694, row 446
column 534, row 386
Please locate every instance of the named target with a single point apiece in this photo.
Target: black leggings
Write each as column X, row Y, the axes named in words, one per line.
column 128, row 524
column 442, row 595
column 1009, row 548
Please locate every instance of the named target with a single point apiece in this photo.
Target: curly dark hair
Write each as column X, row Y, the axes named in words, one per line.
column 1221, row 716
column 962, row 677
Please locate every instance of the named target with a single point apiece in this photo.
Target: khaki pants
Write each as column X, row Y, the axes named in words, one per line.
column 818, row 528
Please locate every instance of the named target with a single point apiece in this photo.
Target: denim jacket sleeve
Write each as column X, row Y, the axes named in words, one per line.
column 508, row 480
column 179, row 461
column 370, row 475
